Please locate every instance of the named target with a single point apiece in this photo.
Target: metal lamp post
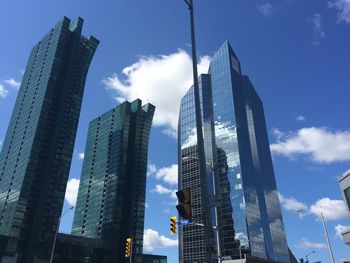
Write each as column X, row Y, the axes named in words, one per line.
column 325, row 233
column 327, row 238
column 216, row 226
column 58, row 226
column 200, row 141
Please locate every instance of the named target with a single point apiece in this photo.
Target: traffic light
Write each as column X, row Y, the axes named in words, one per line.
column 185, row 206
column 173, row 225
column 128, row 247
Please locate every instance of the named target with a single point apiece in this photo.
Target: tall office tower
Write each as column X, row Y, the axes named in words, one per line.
column 111, row 197
column 37, row 150
column 239, row 166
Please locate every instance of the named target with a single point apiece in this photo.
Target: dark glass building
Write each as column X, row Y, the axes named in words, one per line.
column 240, row 174
column 111, row 196
column 36, row 155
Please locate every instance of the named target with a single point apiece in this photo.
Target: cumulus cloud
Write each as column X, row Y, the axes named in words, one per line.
column 72, row 191
column 151, row 169
column 162, row 80
column 306, row 244
column 81, row 156
column 331, row 209
column 160, row 189
column 168, row 174
column 343, row 8
column 318, row 32
column 340, row 229
column 319, row 144
column 13, row 83
column 152, row 240
column 292, row 204
column 265, row 9
column 3, row 92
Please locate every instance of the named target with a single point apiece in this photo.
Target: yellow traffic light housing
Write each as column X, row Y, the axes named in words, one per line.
column 173, row 225
column 128, row 247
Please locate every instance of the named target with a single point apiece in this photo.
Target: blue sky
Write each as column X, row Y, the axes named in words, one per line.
column 296, row 53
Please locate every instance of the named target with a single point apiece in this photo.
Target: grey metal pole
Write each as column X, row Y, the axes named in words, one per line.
column 200, row 141
column 216, row 214
column 131, row 244
column 57, row 228
column 327, row 238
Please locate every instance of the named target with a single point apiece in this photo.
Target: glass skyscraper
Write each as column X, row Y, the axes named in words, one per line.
column 36, row 155
column 240, row 173
column 111, row 196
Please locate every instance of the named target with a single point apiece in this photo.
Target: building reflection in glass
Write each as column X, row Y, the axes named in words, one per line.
column 239, row 164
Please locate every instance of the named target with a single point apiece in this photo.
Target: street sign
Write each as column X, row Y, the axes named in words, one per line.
column 184, row 222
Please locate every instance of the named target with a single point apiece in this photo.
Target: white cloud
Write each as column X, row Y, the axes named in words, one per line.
column 81, row 156
column 13, row 83
column 162, row 80
column 278, row 133
column 292, row 204
column 340, row 229
column 3, row 92
column 265, row 9
column 320, row 144
column 306, row 244
column 160, row 189
column 151, row 169
column 343, row 7
column 72, row 191
column 318, row 31
column 331, row 209
column 152, row 240
column 300, row 118
column 168, row 174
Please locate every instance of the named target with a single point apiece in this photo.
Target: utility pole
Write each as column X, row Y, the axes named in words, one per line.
column 327, row 238
column 200, row 141
column 131, row 245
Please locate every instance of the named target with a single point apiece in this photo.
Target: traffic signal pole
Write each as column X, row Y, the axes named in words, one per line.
column 131, row 245
column 200, row 141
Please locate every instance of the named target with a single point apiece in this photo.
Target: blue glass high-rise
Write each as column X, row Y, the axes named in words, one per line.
column 239, row 165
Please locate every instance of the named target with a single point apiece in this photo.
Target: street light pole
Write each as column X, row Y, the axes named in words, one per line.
column 200, row 141
column 325, row 233
column 327, row 238
column 58, row 226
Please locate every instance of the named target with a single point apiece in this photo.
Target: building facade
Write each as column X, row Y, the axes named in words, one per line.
column 240, row 172
column 111, row 197
column 36, row 155
column 344, row 183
